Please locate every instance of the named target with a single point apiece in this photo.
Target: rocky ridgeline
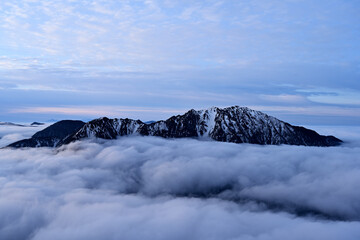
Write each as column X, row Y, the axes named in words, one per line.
column 233, row 124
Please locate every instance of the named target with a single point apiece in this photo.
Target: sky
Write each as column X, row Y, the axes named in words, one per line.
column 297, row 60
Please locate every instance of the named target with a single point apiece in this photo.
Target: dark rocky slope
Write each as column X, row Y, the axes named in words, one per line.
column 51, row 136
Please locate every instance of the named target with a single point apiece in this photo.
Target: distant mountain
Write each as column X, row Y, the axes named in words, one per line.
column 52, row 120
column 233, row 124
column 148, row 122
column 37, row 124
column 11, row 124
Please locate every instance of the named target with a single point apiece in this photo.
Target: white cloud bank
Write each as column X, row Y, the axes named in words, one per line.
column 153, row 188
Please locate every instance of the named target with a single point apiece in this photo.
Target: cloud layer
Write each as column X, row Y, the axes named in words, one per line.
column 146, row 187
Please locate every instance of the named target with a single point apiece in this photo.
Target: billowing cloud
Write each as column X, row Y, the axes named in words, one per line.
column 148, row 187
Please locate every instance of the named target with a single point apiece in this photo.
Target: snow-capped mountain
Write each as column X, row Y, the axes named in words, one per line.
column 233, row 124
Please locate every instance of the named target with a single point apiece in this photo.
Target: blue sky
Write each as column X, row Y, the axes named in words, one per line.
column 298, row 60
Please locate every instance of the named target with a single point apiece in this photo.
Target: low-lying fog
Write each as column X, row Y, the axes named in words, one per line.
column 154, row 188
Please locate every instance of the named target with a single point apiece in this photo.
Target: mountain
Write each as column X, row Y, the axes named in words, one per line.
column 51, row 136
column 148, row 122
column 37, row 124
column 233, row 124
column 11, row 124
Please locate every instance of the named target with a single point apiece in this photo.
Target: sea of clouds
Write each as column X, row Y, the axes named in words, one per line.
column 154, row 188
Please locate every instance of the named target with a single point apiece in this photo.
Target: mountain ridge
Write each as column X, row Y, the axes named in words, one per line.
column 232, row 124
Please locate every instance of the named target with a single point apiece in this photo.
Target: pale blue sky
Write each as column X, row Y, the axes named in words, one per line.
column 298, row 60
